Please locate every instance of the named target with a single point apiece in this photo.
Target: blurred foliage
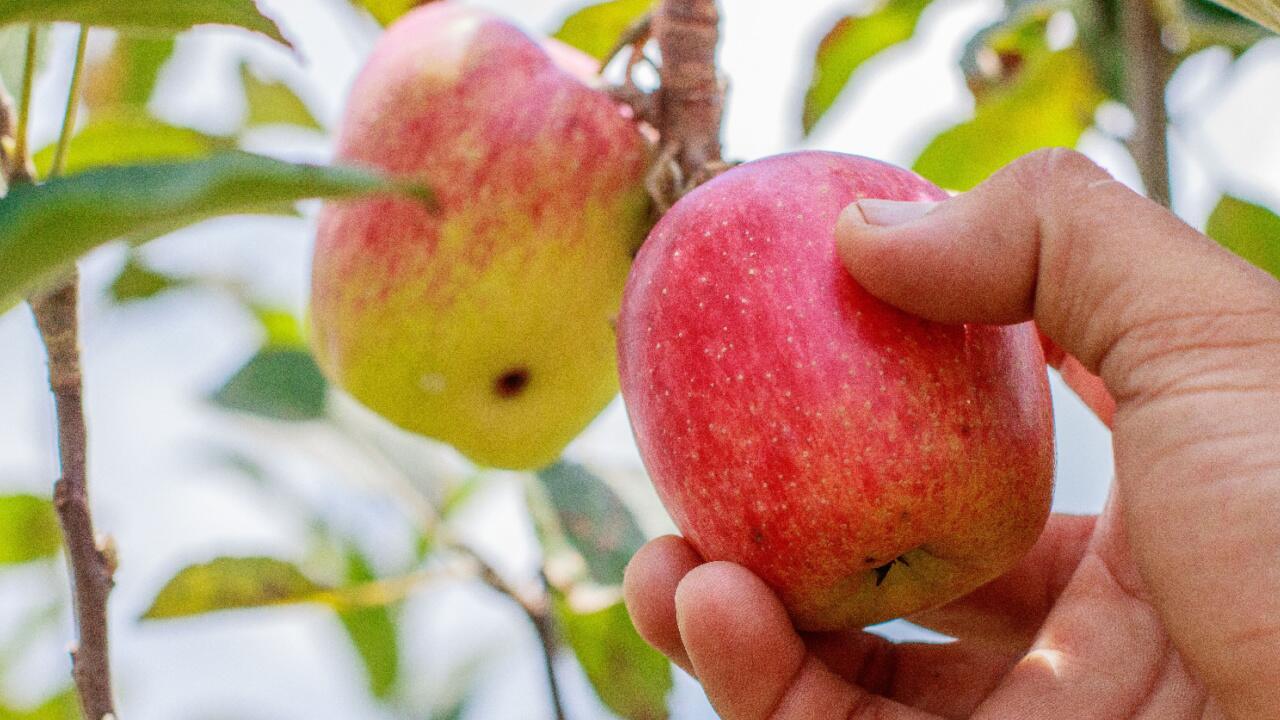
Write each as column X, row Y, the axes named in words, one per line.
column 13, row 54
column 127, row 77
column 1264, row 12
column 63, row 706
column 130, row 139
column 154, row 15
column 274, row 103
column 230, row 583
column 1248, row 230
column 596, row 522
column 28, row 529
column 136, row 281
column 277, row 383
column 387, row 11
column 631, row 678
column 372, row 631
column 850, row 43
column 1052, row 104
column 596, row 29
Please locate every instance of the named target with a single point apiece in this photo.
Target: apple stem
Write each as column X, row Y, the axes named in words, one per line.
column 690, row 100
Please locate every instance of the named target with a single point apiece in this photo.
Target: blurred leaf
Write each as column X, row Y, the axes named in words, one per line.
column 1051, row 105
column 45, row 227
column 388, row 11
column 852, row 41
column 993, row 59
column 139, row 282
column 273, row 103
column 28, row 529
column 278, row 383
column 631, row 678
column 373, row 632
column 1264, row 12
column 127, row 77
column 281, row 327
column 63, row 706
column 229, row 583
column 1198, row 24
column 1248, row 230
column 1101, row 40
column 129, row 139
column 598, row 524
column 596, row 29
column 165, row 15
column 13, row 55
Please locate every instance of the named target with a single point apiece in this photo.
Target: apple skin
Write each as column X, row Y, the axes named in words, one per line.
column 798, row 426
column 488, row 323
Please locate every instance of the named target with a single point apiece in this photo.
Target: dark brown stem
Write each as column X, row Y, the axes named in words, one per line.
column 91, row 567
column 1147, row 69
column 690, row 99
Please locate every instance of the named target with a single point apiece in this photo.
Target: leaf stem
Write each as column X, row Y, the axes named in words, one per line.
column 73, row 105
column 91, row 566
column 21, row 149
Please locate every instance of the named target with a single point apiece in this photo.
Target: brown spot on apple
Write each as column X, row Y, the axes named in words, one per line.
column 512, row 382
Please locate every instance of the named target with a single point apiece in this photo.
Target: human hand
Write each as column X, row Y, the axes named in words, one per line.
column 1166, row 606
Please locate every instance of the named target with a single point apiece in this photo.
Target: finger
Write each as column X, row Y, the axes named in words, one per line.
column 649, row 588
column 1007, row 612
column 1185, row 336
column 750, row 660
column 1087, row 386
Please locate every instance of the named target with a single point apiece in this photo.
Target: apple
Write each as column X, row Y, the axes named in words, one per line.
column 487, row 321
column 865, row 463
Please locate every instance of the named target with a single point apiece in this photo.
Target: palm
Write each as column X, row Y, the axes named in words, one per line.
column 1069, row 633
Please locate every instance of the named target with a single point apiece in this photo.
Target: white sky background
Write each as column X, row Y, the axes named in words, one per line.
column 148, row 365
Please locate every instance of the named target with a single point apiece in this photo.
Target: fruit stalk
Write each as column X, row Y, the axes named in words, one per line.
column 690, row 101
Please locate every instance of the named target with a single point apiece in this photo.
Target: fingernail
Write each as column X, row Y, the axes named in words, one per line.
column 893, row 212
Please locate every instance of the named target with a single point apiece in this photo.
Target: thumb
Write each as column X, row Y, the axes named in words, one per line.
column 1185, row 336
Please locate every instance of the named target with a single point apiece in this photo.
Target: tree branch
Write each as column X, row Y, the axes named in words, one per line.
column 1147, row 68
column 56, row 316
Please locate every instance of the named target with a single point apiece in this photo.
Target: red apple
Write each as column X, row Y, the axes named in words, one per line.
column 486, row 322
column 865, row 463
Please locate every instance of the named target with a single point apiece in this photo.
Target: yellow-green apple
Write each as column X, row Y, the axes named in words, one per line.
column 865, row 463
column 487, row 321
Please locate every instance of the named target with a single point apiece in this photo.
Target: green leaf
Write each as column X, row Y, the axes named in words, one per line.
column 281, row 327
column 851, row 42
column 130, row 138
column 631, row 678
column 1248, row 230
column 596, row 29
column 1050, row 105
column 161, row 15
column 28, row 529
column 139, row 282
column 372, row 631
column 273, row 103
column 230, row 583
column 45, row 227
column 598, row 524
column 63, row 706
column 278, row 383
column 127, row 77
column 388, row 11
column 1264, row 12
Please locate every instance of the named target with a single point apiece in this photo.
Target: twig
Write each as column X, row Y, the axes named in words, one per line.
column 1147, row 69
column 91, row 566
column 537, row 609
column 21, row 152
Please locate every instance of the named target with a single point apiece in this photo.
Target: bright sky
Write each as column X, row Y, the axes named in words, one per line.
column 148, row 366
